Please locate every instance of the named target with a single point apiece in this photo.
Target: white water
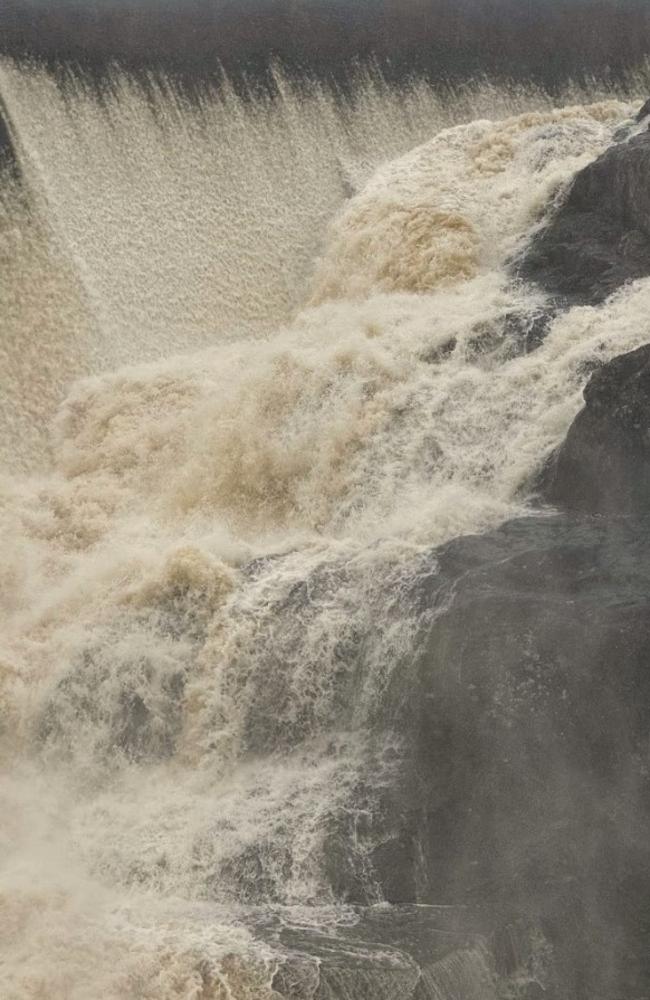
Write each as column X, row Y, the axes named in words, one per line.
column 202, row 586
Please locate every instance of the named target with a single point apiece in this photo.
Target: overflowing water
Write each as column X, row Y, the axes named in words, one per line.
column 258, row 360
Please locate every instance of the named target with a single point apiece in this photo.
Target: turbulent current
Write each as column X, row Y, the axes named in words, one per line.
column 258, row 361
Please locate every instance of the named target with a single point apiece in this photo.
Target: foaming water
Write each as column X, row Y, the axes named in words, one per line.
column 205, row 590
column 149, row 224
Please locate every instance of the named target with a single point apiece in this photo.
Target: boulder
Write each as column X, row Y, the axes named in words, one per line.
column 603, row 465
column 599, row 237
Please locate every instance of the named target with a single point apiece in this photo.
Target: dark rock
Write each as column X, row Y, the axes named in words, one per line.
column 8, row 159
column 512, row 334
column 644, row 111
column 524, row 792
column 322, row 965
column 463, row 975
column 414, row 953
column 506, row 779
column 347, row 971
column 603, row 466
column 497, row 340
column 599, row 237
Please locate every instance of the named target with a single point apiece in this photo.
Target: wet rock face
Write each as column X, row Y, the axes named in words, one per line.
column 407, row 952
column 525, row 794
column 603, row 466
column 599, row 238
column 511, row 843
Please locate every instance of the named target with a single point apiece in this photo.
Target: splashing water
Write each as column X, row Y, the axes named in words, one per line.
column 196, row 567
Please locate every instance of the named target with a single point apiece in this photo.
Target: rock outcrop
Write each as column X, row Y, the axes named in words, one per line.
column 525, row 792
column 410, row 952
column 599, row 237
column 603, row 465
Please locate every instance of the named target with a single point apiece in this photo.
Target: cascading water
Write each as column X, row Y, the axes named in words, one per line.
column 209, row 586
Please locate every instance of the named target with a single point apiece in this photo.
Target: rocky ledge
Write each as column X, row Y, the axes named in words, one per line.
column 599, row 237
column 603, row 466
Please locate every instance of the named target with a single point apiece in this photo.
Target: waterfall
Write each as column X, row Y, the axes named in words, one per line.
column 260, row 361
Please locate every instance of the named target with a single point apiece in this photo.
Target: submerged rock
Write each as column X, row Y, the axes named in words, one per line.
column 603, row 466
column 599, row 237
column 410, row 952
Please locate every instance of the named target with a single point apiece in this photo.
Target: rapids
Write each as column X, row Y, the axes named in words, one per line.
column 257, row 361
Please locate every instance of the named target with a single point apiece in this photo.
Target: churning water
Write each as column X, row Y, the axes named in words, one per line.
column 257, row 360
